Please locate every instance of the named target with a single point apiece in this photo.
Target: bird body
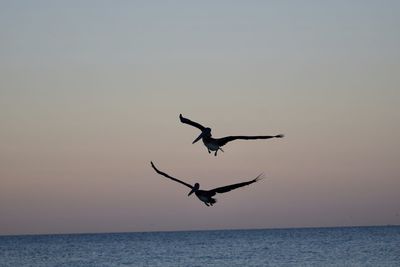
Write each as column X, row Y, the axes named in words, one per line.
column 206, row 197
column 211, row 143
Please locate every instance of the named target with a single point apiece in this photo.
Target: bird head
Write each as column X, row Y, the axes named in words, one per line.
column 205, row 133
column 194, row 189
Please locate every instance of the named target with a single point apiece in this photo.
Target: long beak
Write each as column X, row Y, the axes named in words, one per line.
column 198, row 138
column 191, row 192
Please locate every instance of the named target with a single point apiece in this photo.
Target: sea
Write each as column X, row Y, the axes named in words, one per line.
column 341, row 246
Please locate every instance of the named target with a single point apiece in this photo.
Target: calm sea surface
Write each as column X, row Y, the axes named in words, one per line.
column 347, row 246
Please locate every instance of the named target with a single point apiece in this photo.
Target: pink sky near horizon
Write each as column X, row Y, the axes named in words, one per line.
column 90, row 94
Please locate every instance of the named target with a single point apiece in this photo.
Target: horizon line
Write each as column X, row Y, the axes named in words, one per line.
column 202, row 230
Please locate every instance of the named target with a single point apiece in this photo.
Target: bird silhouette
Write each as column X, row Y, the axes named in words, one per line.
column 207, row 195
column 215, row 144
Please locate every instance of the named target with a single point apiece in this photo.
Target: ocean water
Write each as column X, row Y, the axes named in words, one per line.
column 344, row 246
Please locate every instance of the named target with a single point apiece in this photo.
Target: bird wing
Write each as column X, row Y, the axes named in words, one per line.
column 170, row 177
column 228, row 188
column 224, row 140
column 194, row 124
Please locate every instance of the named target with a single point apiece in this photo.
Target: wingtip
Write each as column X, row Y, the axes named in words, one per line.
column 260, row 177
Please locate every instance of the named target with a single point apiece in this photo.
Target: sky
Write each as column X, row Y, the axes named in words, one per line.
column 91, row 91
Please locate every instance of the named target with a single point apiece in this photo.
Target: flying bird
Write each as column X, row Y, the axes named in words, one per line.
column 215, row 144
column 207, row 195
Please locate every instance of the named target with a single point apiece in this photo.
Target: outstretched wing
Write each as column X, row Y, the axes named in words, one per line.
column 170, row 177
column 194, row 124
column 224, row 140
column 228, row 188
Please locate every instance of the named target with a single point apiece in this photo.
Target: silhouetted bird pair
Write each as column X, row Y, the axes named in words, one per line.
column 213, row 144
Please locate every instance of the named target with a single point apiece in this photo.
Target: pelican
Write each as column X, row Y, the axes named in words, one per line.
column 207, row 195
column 215, row 144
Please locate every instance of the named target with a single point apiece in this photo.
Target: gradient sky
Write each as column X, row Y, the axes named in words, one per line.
column 90, row 92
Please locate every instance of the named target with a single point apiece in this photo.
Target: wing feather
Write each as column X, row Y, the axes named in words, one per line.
column 224, row 140
column 170, row 177
column 228, row 188
column 192, row 123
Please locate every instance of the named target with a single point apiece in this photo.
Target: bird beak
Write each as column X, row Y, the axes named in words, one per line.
column 198, row 138
column 191, row 192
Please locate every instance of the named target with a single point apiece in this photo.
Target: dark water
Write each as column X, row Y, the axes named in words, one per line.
column 350, row 246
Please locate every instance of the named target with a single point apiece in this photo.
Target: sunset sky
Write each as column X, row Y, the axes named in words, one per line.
column 91, row 91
